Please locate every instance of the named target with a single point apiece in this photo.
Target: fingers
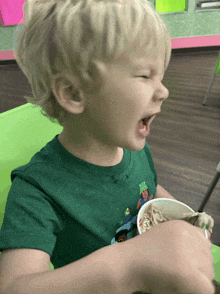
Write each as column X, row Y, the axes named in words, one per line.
column 209, row 286
column 195, row 283
column 209, row 234
column 205, row 219
column 203, row 235
column 200, row 219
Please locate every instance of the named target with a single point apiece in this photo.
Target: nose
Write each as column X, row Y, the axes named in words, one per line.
column 166, row 93
column 161, row 93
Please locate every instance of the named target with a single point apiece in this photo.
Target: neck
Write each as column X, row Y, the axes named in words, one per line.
column 90, row 150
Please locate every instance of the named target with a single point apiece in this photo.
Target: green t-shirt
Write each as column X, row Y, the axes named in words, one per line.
column 70, row 208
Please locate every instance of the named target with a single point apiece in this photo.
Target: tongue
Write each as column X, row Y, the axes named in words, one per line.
column 141, row 125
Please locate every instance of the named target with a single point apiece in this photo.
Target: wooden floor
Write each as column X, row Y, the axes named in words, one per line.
column 184, row 138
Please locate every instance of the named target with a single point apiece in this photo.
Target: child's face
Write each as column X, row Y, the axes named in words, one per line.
column 114, row 113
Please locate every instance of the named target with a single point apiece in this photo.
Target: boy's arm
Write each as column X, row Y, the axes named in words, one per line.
column 162, row 193
column 99, row 272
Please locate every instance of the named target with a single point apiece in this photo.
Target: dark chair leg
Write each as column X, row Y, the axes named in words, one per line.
column 210, row 189
column 209, row 89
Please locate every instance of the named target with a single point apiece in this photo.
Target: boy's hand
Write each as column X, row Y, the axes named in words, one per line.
column 173, row 257
column 209, row 234
column 200, row 219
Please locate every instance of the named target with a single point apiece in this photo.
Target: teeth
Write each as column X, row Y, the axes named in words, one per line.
column 144, row 128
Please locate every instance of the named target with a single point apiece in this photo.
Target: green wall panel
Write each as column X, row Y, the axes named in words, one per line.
column 171, row 5
column 6, row 37
column 191, row 23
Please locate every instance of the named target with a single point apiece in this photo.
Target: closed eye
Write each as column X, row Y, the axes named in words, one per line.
column 145, row 77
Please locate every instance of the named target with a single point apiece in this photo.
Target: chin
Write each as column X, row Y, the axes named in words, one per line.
column 135, row 145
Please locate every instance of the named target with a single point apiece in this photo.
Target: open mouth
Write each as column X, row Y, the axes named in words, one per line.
column 146, row 120
column 144, row 125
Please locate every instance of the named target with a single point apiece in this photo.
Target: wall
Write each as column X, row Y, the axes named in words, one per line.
column 188, row 28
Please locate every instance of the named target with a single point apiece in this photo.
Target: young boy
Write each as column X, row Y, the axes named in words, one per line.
column 97, row 67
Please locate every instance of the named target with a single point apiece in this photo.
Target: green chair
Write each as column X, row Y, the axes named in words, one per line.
column 25, row 131
column 216, row 71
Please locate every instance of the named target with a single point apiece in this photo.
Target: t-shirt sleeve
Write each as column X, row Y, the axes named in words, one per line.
column 30, row 219
column 151, row 162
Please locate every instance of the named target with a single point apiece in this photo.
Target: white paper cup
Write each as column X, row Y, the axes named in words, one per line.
column 171, row 208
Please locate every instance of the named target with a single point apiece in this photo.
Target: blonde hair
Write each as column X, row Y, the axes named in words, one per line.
column 65, row 36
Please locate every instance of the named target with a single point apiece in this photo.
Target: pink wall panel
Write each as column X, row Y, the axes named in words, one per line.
column 189, row 42
column 193, row 42
column 11, row 12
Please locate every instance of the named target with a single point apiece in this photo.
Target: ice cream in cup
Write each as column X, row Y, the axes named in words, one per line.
column 169, row 209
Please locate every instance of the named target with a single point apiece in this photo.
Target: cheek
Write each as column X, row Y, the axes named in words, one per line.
column 137, row 95
column 118, row 106
column 129, row 98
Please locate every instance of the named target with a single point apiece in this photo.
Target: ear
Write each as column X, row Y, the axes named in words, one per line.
column 67, row 92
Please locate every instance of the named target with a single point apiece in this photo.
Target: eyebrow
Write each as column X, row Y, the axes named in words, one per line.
column 147, row 67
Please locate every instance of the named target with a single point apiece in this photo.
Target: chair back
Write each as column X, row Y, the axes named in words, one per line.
column 23, row 132
column 217, row 67
column 216, row 264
